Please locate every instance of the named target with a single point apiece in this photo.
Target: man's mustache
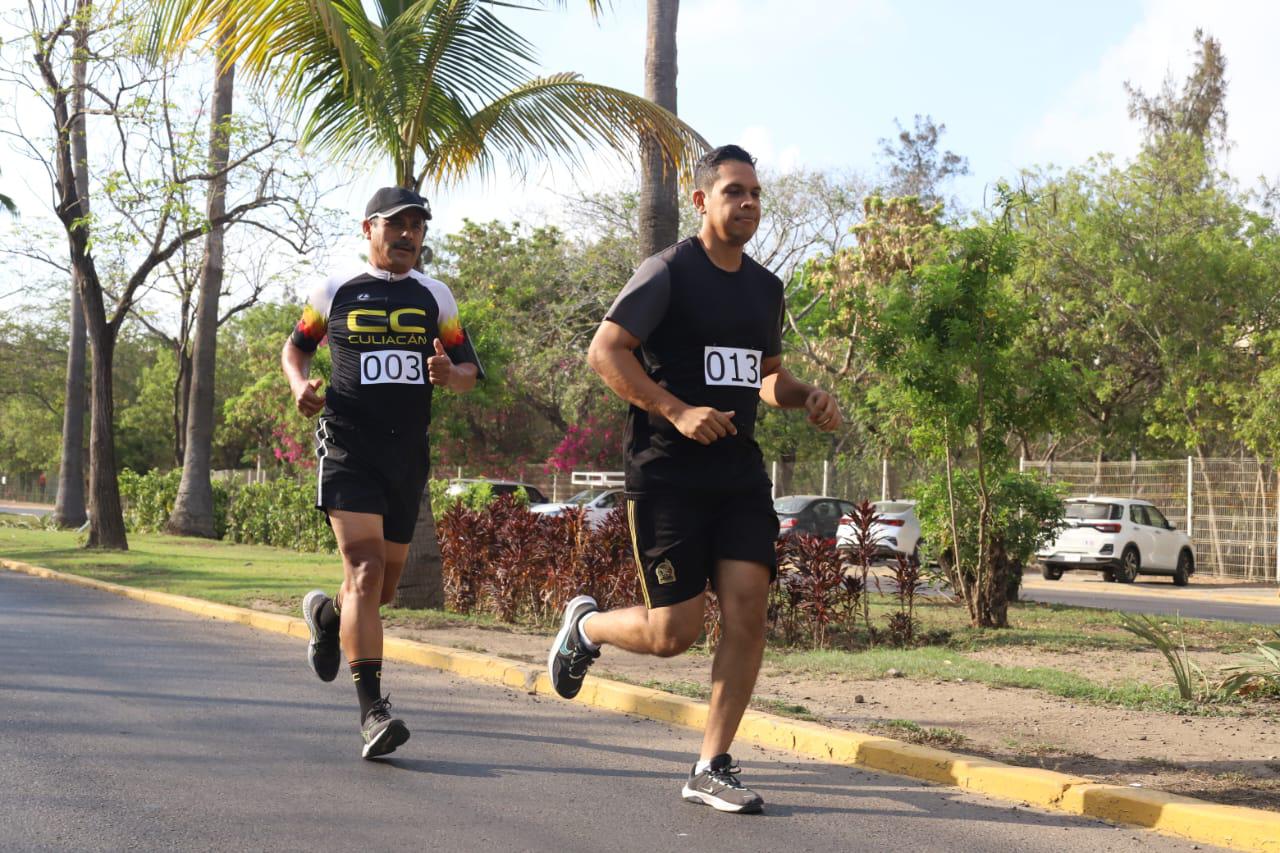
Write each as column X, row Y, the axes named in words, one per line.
column 403, row 244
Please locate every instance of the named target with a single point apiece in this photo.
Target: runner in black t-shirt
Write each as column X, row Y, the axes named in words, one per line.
column 707, row 321
column 395, row 336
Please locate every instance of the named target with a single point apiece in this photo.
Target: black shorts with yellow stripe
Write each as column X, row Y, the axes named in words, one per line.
column 679, row 536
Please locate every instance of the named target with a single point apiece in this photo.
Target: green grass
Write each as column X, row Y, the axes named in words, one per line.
column 935, row 663
column 916, row 733
column 1060, row 628
column 200, row 568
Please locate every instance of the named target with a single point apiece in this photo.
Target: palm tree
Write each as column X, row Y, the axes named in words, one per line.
column 443, row 88
column 444, row 80
column 659, row 199
column 192, row 513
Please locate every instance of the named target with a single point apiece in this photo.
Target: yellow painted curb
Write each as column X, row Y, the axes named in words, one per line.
column 1228, row 826
column 1236, row 827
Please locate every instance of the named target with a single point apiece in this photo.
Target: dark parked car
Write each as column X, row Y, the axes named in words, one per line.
column 812, row 514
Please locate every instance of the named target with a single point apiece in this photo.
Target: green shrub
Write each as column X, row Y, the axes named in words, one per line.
column 148, row 500
column 474, row 496
column 280, row 513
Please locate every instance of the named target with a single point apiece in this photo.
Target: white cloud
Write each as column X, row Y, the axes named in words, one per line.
column 759, row 140
column 1092, row 114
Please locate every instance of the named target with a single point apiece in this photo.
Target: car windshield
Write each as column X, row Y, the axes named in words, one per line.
column 586, row 496
column 1085, row 511
column 890, row 507
column 790, row 505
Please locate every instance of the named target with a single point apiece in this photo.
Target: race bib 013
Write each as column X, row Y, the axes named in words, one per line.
column 732, row 366
column 400, row 366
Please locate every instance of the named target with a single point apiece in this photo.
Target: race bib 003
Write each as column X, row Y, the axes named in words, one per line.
column 400, row 366
column 732, row 366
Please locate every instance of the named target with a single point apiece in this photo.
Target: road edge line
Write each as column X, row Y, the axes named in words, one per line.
column 1235, row 827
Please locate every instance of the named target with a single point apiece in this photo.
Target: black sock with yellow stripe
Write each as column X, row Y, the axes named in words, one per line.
column 367, row 674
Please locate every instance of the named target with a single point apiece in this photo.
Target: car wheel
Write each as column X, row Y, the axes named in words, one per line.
column 914, row 559
column 1050, row 573
column 1130, row 563
column 1182, row 574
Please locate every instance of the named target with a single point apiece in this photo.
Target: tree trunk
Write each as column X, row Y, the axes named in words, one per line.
column 193, row 509
column 181, row 398
column 69, row 507
column 659, row 203
column 422, row 584
column 422, row 581
column 106, row 519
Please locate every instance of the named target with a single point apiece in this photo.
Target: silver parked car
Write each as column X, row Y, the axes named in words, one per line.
column 598, row 503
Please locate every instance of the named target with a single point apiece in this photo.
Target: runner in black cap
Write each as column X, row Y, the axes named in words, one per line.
column 395, row 336
column 706, row 321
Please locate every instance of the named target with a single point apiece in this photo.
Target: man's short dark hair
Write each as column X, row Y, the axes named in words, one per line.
column 708, row 167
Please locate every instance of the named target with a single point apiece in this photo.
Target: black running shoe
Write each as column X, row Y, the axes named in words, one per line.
column 382, row 732
column 569, row 659
column 718, row 787
column 323, row 653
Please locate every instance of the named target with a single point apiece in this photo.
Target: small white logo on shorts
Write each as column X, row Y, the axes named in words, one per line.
column 665, row 571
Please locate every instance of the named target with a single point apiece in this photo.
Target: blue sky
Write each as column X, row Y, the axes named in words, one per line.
column 815, row 84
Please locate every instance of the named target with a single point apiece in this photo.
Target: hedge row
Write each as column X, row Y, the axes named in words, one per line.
column 280, row 512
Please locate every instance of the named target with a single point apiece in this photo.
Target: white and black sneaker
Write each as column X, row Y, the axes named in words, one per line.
column 323, row 654
column 382, row 732
column 718, row 787
column 570, row 658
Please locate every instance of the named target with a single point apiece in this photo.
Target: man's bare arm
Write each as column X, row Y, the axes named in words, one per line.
column 783, row 391
column 612, row 355
column 296, row 363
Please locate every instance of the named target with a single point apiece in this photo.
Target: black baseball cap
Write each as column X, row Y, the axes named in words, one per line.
column 389, row 201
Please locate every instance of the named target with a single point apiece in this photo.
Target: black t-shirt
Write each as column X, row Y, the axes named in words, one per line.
column 704, row 335
column 382, row 328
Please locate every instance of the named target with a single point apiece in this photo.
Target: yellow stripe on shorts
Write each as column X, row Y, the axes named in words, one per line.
column 635, row 549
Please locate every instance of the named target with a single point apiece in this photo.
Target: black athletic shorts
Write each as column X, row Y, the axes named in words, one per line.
column 678, row 537
column 379, row 471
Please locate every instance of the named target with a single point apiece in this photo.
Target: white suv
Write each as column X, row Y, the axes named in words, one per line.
column 1121, row 538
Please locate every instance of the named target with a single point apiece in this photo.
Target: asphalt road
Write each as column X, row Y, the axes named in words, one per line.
column 126, row 726
column 1156, row 596
column 25, row 509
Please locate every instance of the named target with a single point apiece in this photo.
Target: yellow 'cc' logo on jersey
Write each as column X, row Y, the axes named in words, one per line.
column 377, row 320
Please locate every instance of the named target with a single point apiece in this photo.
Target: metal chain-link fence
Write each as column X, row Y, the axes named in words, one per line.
column 1227, row 506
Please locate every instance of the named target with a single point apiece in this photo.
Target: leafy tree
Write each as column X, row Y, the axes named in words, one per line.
column 945, row 330
column 1197, row 110
column 32, row 338
column 915, row 167
column 533, row 299
column 126, row 90
column 261, row 426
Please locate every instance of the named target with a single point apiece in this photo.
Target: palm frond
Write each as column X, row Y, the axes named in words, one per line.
column 284, row 37
column 556, row 116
